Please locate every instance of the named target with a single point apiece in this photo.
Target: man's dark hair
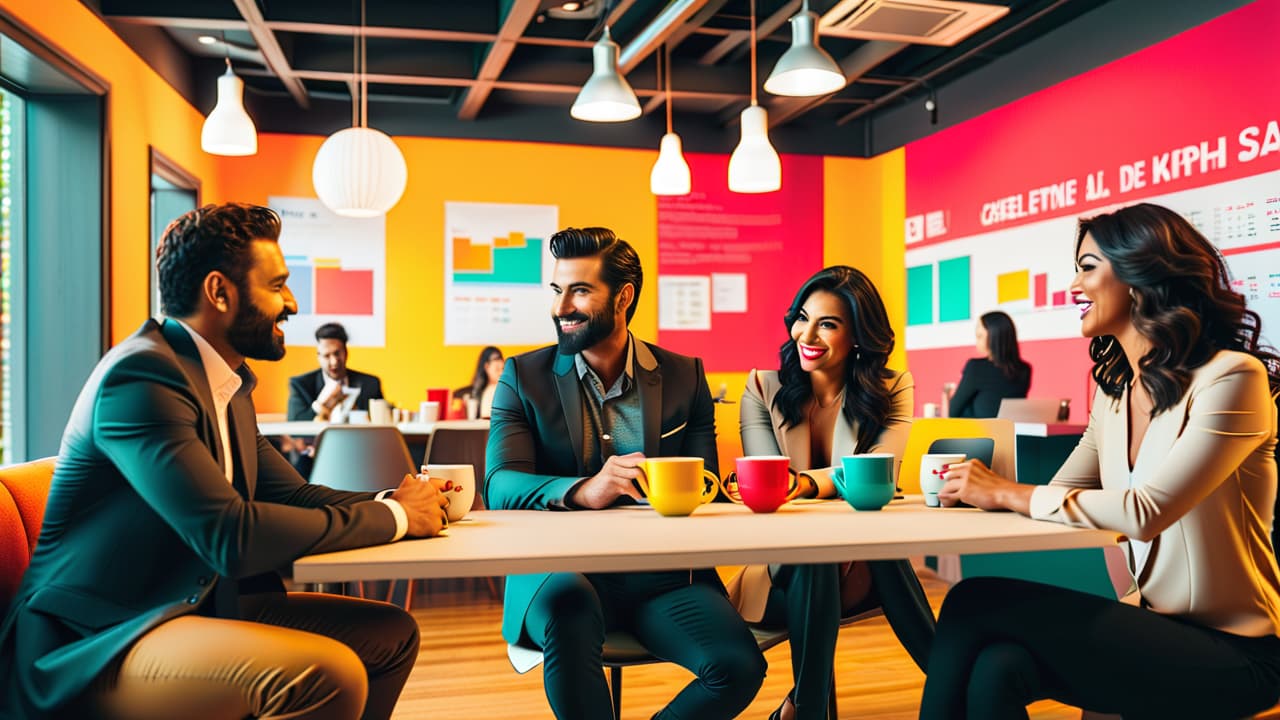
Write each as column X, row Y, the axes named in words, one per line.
column 619, row 262
column 214, row 237
column 332, row 331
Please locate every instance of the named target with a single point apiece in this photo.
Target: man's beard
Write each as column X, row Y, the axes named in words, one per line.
column 598, row 327
column 252, row 334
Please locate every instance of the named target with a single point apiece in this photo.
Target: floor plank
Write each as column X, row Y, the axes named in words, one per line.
column 462, row 670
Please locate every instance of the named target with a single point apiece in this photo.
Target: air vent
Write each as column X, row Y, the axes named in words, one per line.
column 927, row 22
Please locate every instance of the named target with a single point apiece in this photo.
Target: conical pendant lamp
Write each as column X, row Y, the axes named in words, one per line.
column 670, row 174
column 606, row 96
column 754, row 166
column 359, row 172
column 229, row 130
column 805, row 69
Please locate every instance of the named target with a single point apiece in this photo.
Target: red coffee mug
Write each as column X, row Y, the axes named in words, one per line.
column 763, row 483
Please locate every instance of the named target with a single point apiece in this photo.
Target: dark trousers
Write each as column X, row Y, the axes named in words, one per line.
column 692, row 625
column 806, row 600
column 1003, row 643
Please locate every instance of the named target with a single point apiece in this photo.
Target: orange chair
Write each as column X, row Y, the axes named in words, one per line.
column 23, row 491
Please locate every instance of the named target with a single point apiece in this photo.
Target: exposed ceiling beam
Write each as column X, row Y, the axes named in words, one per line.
column 737, row 38
column 678, row 17
column 398, row 33
column 858, row 63
column 181, row 23
column 271, row 50
column 513, row 26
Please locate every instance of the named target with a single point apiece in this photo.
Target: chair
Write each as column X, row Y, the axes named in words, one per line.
column 926, row 431
column 361, row 458
column 1030, row 410
column 24, row 489
column 460, row 442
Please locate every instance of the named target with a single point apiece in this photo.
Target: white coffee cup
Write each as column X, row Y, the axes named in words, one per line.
column 460, row 482
column 379, row 412
column 931, row 410
column 932, row 468
column 428, row 411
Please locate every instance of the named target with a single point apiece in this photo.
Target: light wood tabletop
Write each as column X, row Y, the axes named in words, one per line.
column 636, row 538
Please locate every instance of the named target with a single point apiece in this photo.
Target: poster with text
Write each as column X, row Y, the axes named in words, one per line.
column 337, row 271
column 730, row 263
column 497, row 266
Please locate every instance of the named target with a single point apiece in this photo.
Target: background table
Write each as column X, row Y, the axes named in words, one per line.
column 511, row 542
column 416, row 434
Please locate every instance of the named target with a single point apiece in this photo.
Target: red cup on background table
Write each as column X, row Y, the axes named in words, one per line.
column 441, row 396
column 763, row 483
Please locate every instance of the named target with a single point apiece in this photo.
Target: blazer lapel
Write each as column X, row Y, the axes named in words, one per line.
column 570, row 403
column 843, row 439
column 244, row 434
column 189, row 358
column 795, row 445
column 648, row 376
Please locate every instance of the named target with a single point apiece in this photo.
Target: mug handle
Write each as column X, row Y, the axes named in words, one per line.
column 709, row 487
column 837, row 479
column 642, row 481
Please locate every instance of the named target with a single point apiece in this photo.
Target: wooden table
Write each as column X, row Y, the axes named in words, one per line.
column 509, row 542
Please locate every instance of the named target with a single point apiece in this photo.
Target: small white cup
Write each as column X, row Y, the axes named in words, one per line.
column 461, row 481
column 931, row 410
column 379, row 412
column 428, row 411
column 473, row 408
column 931, row 471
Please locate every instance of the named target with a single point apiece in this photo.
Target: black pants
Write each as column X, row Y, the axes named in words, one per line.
column 1003, row 643
column 692, row 625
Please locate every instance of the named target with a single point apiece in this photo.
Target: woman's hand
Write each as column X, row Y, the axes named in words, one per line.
column 973, row 482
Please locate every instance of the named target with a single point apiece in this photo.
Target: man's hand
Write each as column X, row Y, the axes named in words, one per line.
column 423, row 503
column 612, row 482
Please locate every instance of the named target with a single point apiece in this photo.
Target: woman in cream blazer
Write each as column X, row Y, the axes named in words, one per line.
column 840, row 342
column 1179, row 457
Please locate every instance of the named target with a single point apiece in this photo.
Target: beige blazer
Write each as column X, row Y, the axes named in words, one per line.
column 1204, row 490
column 759, row 424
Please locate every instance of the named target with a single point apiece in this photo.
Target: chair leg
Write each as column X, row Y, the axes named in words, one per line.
column 615, row 689
column 408, row 594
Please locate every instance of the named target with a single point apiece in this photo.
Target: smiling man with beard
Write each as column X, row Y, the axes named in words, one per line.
column 570, row 424
column 153, row 592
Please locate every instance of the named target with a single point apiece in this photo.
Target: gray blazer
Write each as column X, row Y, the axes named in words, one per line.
column 1203, row 492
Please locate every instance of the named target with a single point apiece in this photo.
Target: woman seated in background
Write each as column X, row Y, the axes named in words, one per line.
column 1000, row 373
column 482, row 387
column 1178, row 457
column 833, row 396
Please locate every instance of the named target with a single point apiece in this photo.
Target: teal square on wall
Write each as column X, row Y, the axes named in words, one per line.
column 953, row 289
column 920, row 295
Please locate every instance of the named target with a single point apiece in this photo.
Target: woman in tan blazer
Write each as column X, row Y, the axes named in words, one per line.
column 1179, row 457
column 833, row 397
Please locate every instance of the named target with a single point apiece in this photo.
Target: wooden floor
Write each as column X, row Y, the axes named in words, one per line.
column 462, row 670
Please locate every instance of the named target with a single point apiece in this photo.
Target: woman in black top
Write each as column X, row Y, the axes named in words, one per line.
column 1001, row 374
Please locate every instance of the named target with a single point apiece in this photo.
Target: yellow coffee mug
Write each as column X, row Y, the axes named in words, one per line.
column 676, row 486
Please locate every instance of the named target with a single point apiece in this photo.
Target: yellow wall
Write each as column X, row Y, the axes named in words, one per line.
column 143, row 111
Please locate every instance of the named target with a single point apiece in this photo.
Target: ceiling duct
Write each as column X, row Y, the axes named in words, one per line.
column 926, row 22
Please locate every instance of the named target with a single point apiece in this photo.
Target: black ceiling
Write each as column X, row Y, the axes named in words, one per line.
column 509, row 69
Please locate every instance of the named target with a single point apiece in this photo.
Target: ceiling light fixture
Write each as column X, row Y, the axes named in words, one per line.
column 670, row 174
column 571, row 6
column 606, row 96
column 754, row 166
column 206, row 40
column 805, row 69
column 229, row 130
column 359, row 172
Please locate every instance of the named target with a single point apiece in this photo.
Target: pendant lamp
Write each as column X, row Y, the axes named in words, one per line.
column 754, row 166
column 606, row 96
column 229, row 130
column 805, row 69
column 359, row 172
column 670, row 175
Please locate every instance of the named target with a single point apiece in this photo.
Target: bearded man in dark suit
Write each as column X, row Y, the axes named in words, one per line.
column 152, row 592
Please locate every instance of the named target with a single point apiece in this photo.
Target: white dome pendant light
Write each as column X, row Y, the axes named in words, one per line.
column 754, row 166
column 359, row 172
column 670, row 175
column 229, row 130
column 805, row 69
column 606, row 96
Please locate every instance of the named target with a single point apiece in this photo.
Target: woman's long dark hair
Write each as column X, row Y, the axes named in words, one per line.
column 1182, row 303
column 866, row 399
column 1002, row 345
column 481, row 379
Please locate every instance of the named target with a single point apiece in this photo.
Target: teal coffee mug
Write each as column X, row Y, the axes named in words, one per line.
column 865, row 481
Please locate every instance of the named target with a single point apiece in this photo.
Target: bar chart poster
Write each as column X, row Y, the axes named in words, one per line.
column 337, row 271
column 497, row 267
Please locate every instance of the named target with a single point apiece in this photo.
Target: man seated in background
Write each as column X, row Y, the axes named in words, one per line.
column 315, row 395
column 153, row 592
